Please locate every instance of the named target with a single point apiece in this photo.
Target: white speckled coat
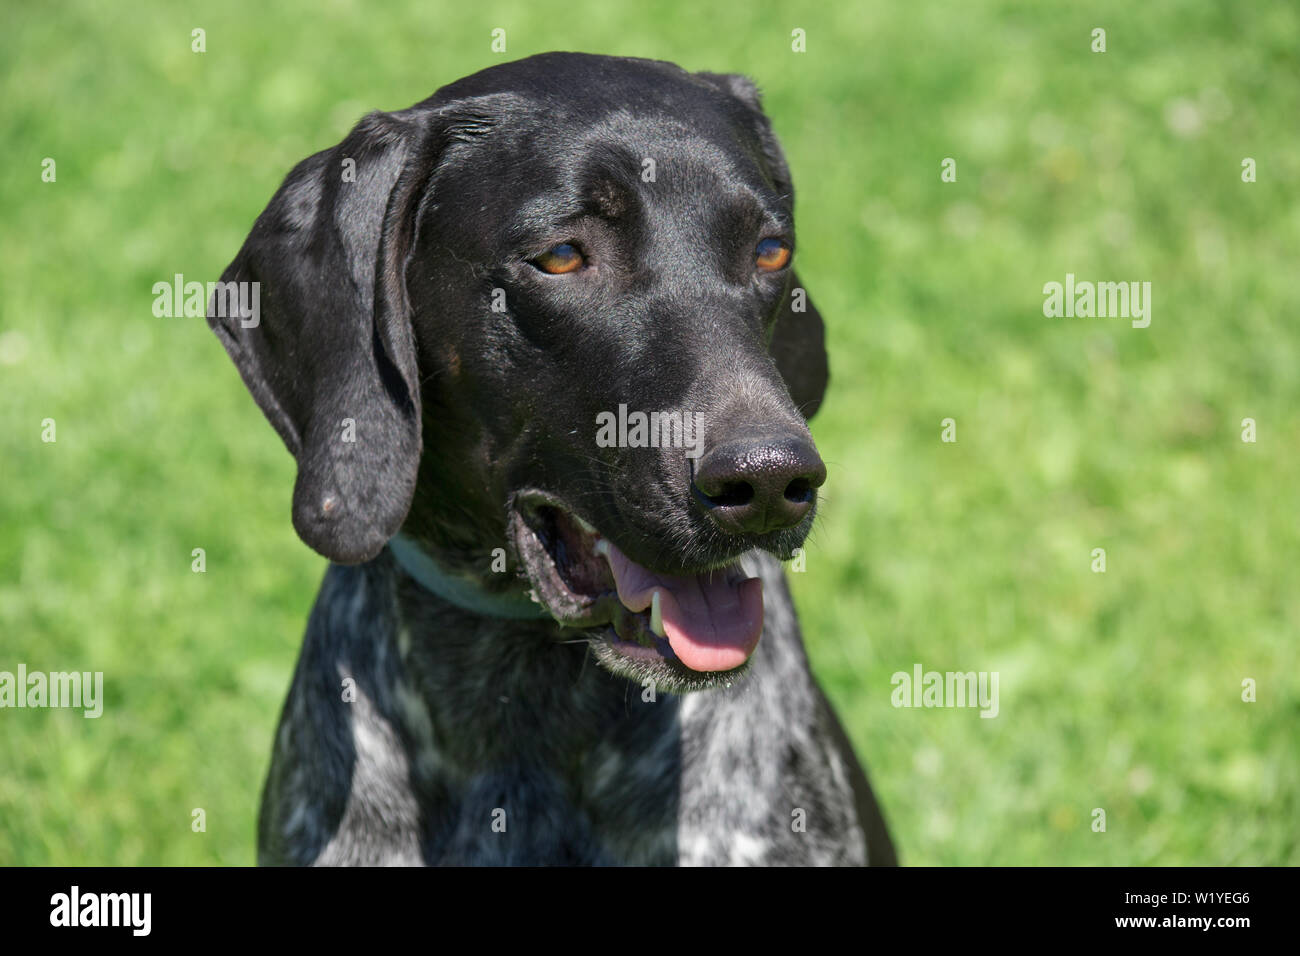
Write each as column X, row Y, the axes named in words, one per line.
column 479, row 741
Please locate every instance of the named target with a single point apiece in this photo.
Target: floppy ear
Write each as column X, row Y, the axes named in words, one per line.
column 798, row 344
column 798, row 347
column 323, row 337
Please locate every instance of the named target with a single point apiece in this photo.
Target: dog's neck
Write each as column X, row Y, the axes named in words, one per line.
column 465, row 593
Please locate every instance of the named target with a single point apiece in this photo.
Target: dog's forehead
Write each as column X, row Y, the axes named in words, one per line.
column 582, row 80
column 650, row 140
column 573, row 132
column 608, row 165
column 581, row 101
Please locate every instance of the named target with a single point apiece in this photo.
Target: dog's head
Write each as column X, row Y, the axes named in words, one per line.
column 551, row 310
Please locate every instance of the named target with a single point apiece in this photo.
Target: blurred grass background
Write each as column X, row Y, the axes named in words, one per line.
column 1119, row 690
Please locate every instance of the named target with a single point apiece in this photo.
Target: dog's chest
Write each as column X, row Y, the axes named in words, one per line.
column 573, row 781
column 703, row 780
column 653, row 806
column 450, row 752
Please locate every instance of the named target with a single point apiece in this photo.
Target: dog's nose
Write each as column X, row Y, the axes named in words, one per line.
column 759, row 486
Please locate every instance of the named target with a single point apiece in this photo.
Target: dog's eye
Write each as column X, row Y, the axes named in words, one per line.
column 771, row 255
column 560, row 259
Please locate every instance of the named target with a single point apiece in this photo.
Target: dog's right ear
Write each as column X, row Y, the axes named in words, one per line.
column 798, row 344
column 314, row 312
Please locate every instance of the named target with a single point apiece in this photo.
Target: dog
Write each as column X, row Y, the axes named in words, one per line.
column 540, row 354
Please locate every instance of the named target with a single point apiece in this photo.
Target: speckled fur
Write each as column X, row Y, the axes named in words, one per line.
column 460, row 722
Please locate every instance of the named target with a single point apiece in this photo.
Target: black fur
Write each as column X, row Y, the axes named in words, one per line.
column 377, row 306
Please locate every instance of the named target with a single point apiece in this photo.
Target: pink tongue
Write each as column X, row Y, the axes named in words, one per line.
column 711, row 625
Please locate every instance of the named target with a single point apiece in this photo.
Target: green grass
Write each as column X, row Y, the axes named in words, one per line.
column 1119, row 690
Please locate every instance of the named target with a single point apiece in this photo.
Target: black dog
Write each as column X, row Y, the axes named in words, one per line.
column 544, row 325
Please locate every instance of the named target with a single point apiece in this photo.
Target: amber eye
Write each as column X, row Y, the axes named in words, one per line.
column 560, row 259
column 771, row 255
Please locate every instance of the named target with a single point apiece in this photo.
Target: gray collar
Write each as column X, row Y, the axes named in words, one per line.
column 464, row 592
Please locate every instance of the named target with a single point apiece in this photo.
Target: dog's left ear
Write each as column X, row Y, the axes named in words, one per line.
column 319, row 327
column 798, row 344
column 798, row 347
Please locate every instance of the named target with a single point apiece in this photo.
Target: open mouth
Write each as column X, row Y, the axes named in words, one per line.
column 687, row 629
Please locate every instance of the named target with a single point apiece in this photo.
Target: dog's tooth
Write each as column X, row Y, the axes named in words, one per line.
column 584, row 525
column 601, row 547
column 656, row 615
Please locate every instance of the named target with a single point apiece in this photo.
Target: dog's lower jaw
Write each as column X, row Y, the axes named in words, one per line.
column 680, row 630
column 663, row 675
